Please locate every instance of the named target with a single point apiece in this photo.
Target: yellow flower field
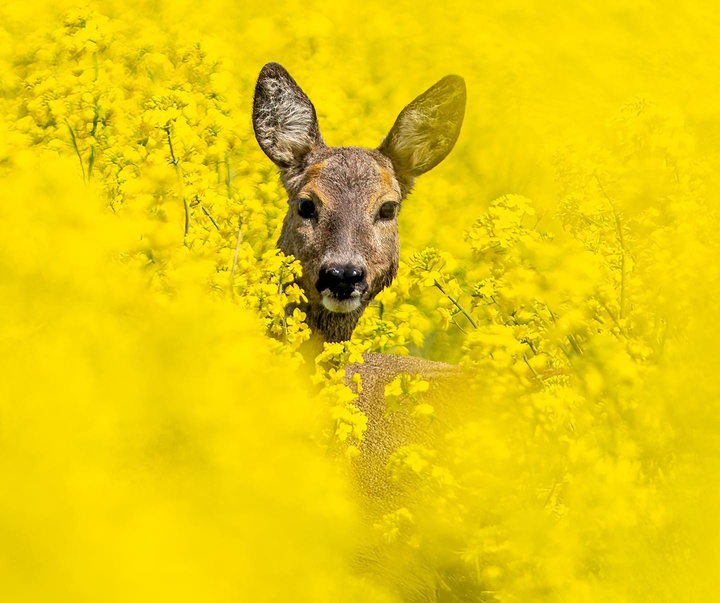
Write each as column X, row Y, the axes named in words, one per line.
column 162, row 438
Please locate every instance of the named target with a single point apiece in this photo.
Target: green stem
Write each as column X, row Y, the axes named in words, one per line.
column 187, row 216
column 75, row 146
column 457, row 304
column 176, row 164
column 174, row 160
column 96, row 118
column 235, row 258
column 455, row 322
column 228, row 176
column 207, row 213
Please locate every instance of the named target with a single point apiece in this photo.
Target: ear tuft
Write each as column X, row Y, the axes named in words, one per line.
column 284, row 119
column 427, row 129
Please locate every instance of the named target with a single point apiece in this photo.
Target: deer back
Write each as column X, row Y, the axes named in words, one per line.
column 389, row 431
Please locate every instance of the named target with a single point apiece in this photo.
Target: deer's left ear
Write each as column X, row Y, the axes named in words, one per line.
column 427, row 129
column 284, row 119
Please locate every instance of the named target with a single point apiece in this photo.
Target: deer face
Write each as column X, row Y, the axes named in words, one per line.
column 342, row 226
column 344, row 201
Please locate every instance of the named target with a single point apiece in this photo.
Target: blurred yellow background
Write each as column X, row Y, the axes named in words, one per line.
column 156, row 444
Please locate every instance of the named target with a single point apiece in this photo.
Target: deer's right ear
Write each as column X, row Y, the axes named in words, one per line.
column 284, row 119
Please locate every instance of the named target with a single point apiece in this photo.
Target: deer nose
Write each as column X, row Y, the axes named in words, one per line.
column 342, row 281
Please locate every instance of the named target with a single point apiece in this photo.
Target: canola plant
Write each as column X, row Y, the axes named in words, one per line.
column 159, row 438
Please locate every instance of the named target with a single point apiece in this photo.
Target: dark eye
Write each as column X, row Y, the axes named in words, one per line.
column 306, row 208
column 388, row 210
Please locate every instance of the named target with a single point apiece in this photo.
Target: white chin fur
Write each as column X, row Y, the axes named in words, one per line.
column 342, row 306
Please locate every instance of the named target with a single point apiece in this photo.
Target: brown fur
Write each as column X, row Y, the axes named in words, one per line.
column 348, row 184
column 386, row 433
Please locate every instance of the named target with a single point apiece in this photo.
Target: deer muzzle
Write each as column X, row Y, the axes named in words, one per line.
column 342, row 286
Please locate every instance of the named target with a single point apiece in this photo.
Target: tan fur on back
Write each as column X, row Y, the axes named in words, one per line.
column 385, row 434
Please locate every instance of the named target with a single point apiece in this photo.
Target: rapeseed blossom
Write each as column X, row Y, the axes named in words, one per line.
column 163, row 438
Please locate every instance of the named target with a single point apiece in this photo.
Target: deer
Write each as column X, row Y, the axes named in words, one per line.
column 341, row 224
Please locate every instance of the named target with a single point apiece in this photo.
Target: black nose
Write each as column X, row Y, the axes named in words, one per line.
column 342, row 280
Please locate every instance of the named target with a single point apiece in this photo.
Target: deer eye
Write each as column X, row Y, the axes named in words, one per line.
column 305, row 208
column 388, row 210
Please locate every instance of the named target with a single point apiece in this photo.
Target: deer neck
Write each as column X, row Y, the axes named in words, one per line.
column 332, row 326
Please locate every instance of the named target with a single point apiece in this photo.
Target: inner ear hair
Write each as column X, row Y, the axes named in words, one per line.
column 426, row 130
column 284, row 119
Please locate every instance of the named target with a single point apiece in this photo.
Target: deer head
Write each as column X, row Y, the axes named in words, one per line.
column 341, row 222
